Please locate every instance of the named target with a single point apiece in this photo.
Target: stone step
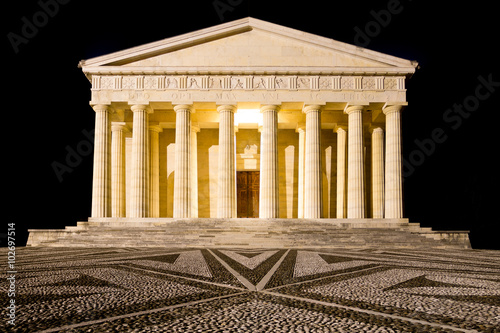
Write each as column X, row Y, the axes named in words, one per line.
column 247, row 232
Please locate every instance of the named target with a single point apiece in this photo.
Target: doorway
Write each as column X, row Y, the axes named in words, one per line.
column 247, row 191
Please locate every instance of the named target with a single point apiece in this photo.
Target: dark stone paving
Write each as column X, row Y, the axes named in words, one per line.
column 257, row 290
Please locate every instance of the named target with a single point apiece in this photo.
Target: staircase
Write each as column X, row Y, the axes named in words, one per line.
column 248, row 233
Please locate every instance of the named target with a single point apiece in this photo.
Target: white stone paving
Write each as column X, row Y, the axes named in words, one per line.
column 191, row 262
column 371, row 289
column 261, row 316
column 82, row 289
column 249, row 262
column 309, row 263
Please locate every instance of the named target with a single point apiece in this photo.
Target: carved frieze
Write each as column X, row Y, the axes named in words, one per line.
column 247, row 82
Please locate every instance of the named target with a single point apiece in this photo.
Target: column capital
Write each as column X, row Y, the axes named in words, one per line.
column 155, row 128
column 141, row 107
column 102, row 108
column 184, row 108
column 195, row 127
column 300, row 128
column 389, row 108
column 376, row 128
column 269, row 107
column 340, row 127
column 226, row 107
column 353, row 108
column 119, row 126
column 313, row 107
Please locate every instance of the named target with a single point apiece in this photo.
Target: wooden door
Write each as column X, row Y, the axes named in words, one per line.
column 248, row 193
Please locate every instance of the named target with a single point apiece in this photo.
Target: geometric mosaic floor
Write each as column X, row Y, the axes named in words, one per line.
column 241, row 290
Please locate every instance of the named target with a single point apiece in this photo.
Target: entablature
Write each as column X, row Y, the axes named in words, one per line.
column 270, row 89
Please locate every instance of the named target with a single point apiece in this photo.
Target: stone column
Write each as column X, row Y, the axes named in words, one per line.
column 269, row 180
column 341, row 172
column 118, row 190
column 355, row 163
column 226, row 176
column 393, row 163
column 313, row 184
column 128, row 173
column 194, row 170
column 377, row 173
column 301, row 129
column 101, row 182
column 139, row 204
column 182, row 193
column 235, row 209
column 154, row 180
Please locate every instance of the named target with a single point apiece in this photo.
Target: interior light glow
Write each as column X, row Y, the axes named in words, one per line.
column 248, row 116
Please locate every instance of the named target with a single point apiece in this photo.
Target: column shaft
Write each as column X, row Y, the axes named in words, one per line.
column 139, row 205
column 182, row 193
column 355, row 164
column 118, row 196
column 194, row 170
column 341, row 173
column 269, row 180
column 378, row 173
column 313, row 184
column 101, row 182
column 301, row 165
column 226, row 176
column 154, row 179
column 393, row 164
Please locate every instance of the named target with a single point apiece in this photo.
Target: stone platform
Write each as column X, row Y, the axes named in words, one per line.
column 251, row 233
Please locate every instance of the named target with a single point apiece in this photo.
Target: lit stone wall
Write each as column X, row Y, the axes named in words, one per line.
column 288, row 154
column 329, row 169
column 167, row 167
column 208, row 153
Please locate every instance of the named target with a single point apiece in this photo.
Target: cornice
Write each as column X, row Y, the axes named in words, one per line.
column 235, row 70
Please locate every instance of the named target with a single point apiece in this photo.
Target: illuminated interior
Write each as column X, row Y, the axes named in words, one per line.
column 248, row 118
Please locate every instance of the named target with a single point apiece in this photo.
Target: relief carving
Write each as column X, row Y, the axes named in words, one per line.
column 368, row 83
column 150, row 82
column 129, row 82
column 246, row 82
column 236, row 83
column 325, row 83
column 260, row 82
column 107, row 82
column 303, row 83
column 281, row 83
column 193, row 83
column 171, row 83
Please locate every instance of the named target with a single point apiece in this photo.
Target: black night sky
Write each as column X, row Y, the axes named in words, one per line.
column 450, row 126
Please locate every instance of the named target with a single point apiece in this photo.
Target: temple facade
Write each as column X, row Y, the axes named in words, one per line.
column 247, row 119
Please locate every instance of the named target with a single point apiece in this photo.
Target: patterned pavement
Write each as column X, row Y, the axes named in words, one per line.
column 261, row 290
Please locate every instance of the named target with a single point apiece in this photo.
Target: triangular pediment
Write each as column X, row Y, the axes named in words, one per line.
column 248, row 46
column 256, row 48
